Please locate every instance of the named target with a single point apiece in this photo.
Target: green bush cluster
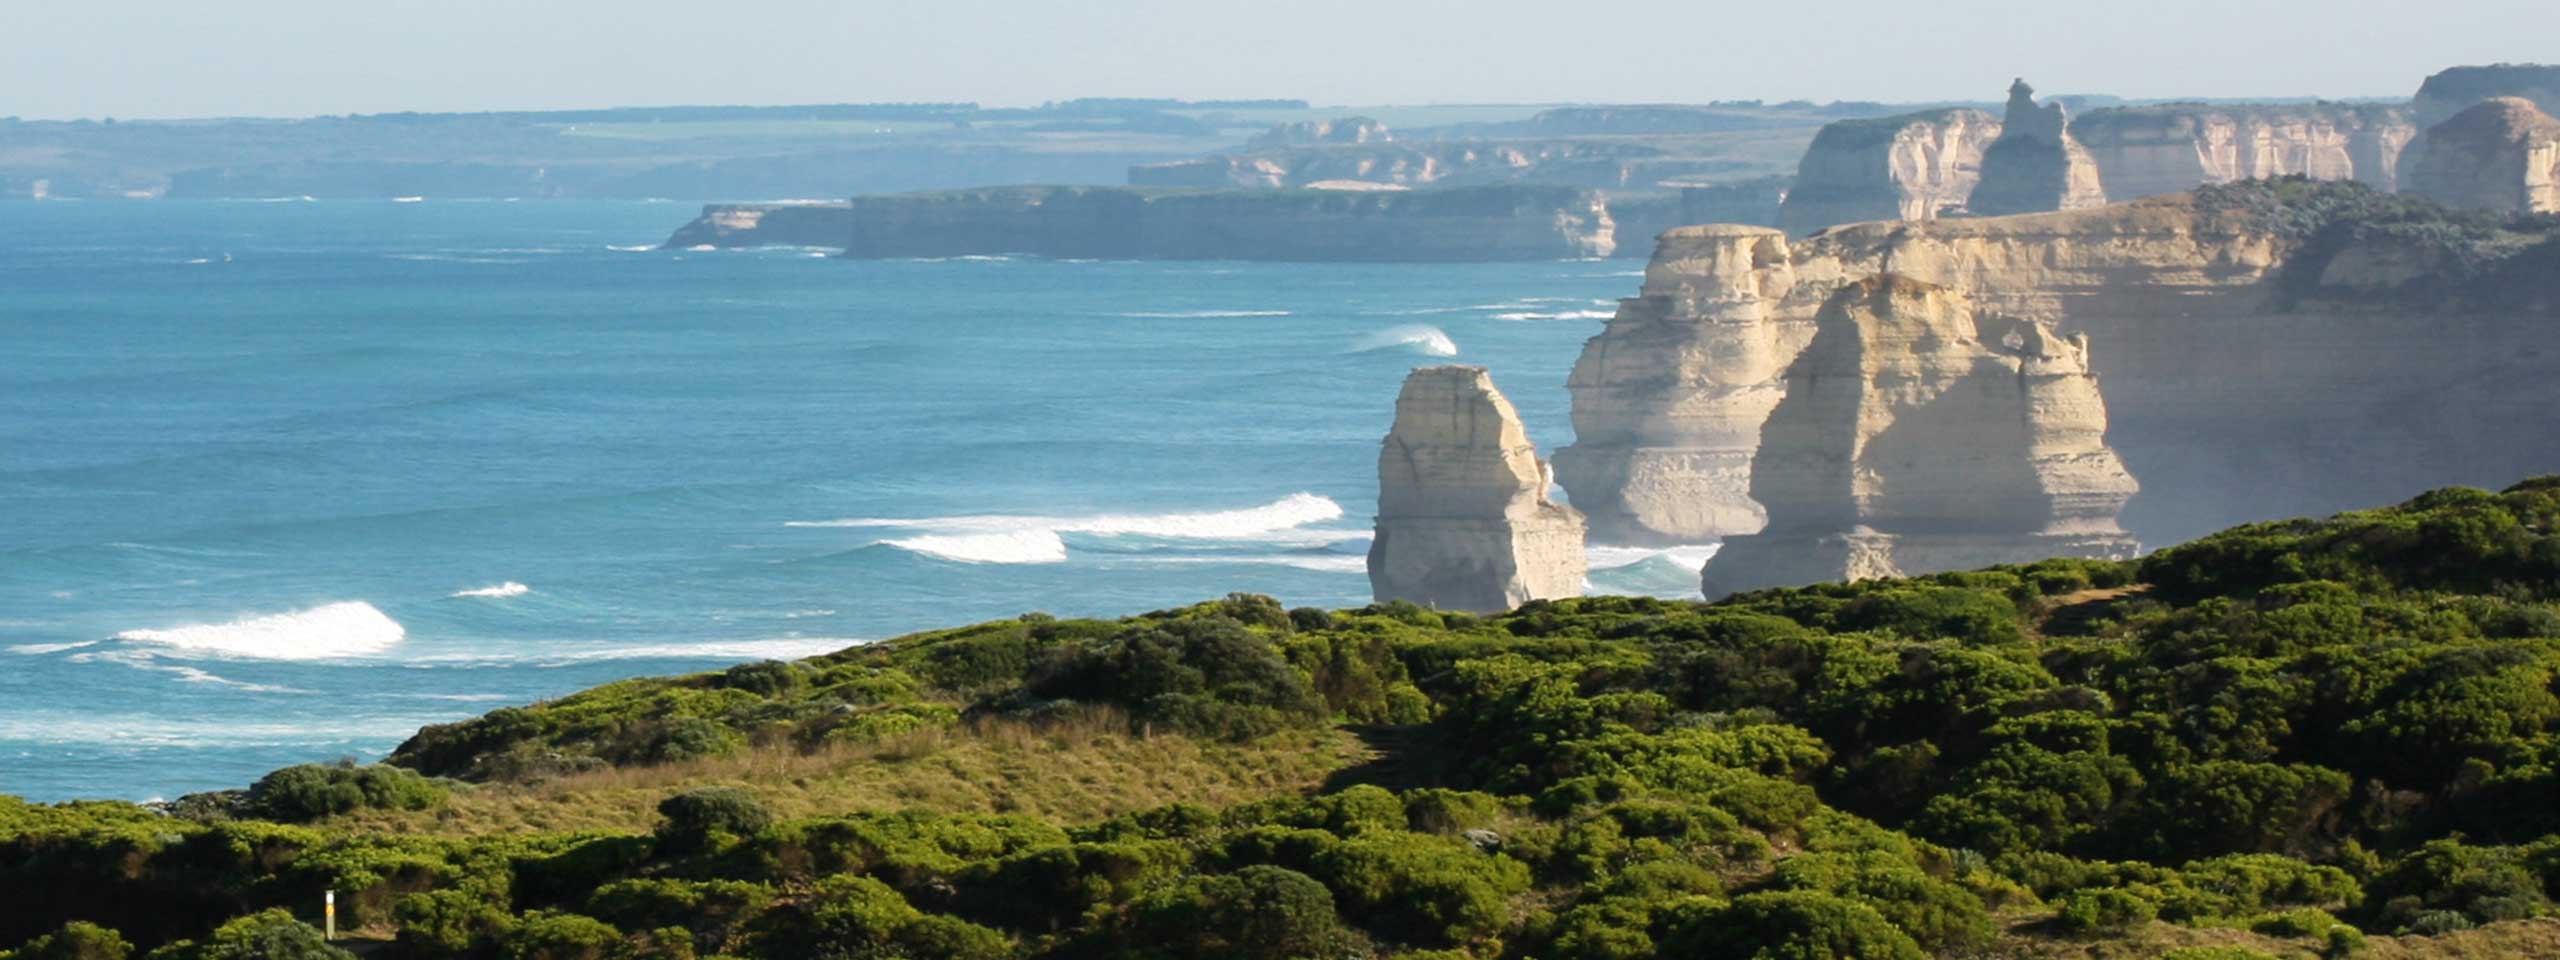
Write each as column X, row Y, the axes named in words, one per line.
column 2308, row 730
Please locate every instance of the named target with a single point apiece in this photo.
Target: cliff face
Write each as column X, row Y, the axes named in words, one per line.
column 2501, row 154
column 1506, row 222
column 767, row 225
column 2150, row 151
column 1917, row 436
column 2251, row 372
column 2036, row 164
column 1909, row 167
column 1464, row 522
column 2454, row 90
column 1594, row 163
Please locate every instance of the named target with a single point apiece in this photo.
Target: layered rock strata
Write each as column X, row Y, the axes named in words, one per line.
column 2036, row 164
column 1910, row 167
column 2170, row 148
column 2502, row 154
column 2251, row 372
column 2456, row 89
column 1917, row 435
column 1464, row 522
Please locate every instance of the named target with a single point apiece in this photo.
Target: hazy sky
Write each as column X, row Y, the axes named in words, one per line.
column 169, row 58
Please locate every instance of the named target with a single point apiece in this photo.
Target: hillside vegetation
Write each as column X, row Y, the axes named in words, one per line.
column 2326, row 738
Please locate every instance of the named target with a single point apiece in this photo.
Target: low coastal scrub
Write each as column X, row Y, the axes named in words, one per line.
column 2331, row 738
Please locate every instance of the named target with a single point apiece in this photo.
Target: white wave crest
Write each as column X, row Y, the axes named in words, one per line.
column 1007, row 538
column 1690, row 557
column 1201, row 314
column 507, row 589
column 332, row 631
column 1418, row 337
column 1016, row 546
column 40, row 649
column 632, row 248
column 733, row 651
column 1558, row 315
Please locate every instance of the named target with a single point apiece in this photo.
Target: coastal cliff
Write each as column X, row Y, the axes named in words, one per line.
column 1909, row 167
column 1918, row 436
column 807, row 224
column 1498, row 222
column 2171, row 148
column 2501, row 155
column 1464, row 522
column 2036, row 164
column 2266, row 349
column 1583, row 163
column 2453, row 90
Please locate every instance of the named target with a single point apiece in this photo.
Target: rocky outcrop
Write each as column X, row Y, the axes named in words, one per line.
column 1910, row 167
column 2256, row 364
column 2171, row 148
column 1593, row 163
column 1919, row 435
column 1464, row 522
column 1336, row 132
column 1503, row 222
column 2036, row 164
column 2501, row 154
column 2457, row 89
column 767, row 225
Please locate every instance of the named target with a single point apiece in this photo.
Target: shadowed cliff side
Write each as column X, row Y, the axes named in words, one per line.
column 2036, row 164
column 1909, row 167
column 2501, row 155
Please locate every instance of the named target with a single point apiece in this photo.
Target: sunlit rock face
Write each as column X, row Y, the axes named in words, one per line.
column 2501, row 154
column 1910, row 167
column 1464, row 522
column 2036, row 164
column 2171, row 148
column 1919, row 435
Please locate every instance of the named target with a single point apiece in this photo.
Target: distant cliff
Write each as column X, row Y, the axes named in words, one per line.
column 2265, row 348
column 1583, row 163
column 1500, row 222
column 2501, row 155
column 1909, row 167
column 2454, row 90
column 2169, row 148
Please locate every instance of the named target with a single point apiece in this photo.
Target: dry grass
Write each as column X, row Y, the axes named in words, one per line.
column 2516, row 938
column 1081, row 769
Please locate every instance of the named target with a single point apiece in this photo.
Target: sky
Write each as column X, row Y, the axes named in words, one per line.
column 186, row 58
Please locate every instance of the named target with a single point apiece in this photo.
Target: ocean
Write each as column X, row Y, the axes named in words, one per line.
column 282, row 482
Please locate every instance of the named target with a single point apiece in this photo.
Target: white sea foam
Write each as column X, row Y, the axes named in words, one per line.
column 1008, row 538
column 40, row 649
column 1418, row 337
column 199, row 260
column 732, row 651
column 408, row 199
column 1201, row 314
column 507, row 589
column 332, row 631
column 1558, row 315
column 702, row 248
column 632, row 248
column 1017, row 546
column 1691, row 557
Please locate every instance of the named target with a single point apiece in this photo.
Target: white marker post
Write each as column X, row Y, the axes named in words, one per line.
column 329, row 913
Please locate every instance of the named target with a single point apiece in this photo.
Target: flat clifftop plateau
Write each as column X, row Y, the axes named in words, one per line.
column 1500, row 222
column 1464, row 522
column 2502, row 154
column 787, row 224
column 2249, row 340
column 1908, row 167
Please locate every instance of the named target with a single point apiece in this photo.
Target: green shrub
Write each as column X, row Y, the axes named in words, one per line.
column 311, row 791
column 77, row 940
column 552, row 935
column 697, row 820
column 1257, row 913
column 2103, row 911
column 272, row 935
column 446, row 923
column 1788, row 925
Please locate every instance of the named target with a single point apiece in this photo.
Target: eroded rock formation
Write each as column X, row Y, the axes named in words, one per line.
column 2250, row 371
column 1464, row 522
column 2171, row 148
column 1918, row 435
column 2502, row 154
column 1909, row 167
column 2036, row 164
column 767, row 225
column 2456, row 89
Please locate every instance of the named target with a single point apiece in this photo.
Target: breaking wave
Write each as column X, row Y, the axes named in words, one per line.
column 332, row 631
column 507, row 589
column 1690, row 557
column 1558, row 315
column 1418, row 337
column 1018, row 546
column 1007, row 538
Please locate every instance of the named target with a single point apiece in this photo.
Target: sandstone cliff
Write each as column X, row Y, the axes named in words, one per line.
column 1501, row 222
column 767, row 225
column 1917, row 436
column 2171, row 148
column 2501, row 155
column 2267, row 349
column 1909, row 167
column 1597, row 163
column 1464, row 522
column 2454, row 90
column 2036, row 164
column 1344, row 130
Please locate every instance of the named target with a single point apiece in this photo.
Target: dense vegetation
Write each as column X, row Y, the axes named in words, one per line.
column 2472, row 258
column 2316, row 737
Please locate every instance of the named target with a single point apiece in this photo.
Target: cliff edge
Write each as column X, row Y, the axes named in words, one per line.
column 2502, row 155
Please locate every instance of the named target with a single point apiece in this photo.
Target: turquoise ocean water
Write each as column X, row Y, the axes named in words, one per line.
column 280, row 482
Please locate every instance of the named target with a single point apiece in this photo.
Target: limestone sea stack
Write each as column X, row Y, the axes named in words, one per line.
column 1919, row 435
column 2502, row 154
column 1909, row 167
column 1464, row 522
column 2036, row 165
